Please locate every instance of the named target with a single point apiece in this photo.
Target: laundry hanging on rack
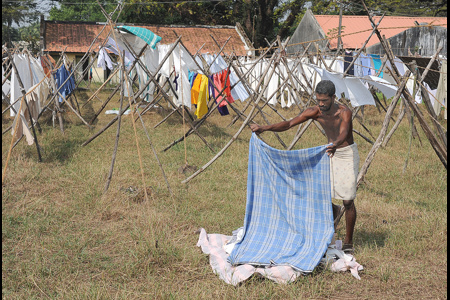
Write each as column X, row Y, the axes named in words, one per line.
column 223, row 110
column 203, row 97
column 119, row 50
column 377, row 64
column 61, row 76
column 23, row 68
column 348, row 58
column 143, row 33
column 103, row 60
column 366, row 64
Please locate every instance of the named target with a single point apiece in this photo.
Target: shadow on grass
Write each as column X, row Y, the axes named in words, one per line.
column 371, row 239
column 59, row 149
column 87, row 109
column 213, row 134
column 206, row 129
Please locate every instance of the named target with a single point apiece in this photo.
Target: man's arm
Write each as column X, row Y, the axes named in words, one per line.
column 307, row 114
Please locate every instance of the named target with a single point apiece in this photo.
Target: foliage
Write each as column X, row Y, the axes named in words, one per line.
column 30, row 35
column 436, row 8
column 84, row 10
column 261, row 19
column 9, row 34
column 16, row 12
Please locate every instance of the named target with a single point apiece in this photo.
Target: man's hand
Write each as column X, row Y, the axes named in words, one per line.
column 256, row 128
column 331, row 149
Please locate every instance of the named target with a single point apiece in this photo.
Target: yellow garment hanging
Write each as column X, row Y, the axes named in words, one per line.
column 196, row 89
column 203, row 97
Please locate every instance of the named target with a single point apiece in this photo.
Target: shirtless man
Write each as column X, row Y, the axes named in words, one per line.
column 336, row 120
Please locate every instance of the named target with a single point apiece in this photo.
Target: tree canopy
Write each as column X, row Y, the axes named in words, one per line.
column 15, row 12
column 262, row 19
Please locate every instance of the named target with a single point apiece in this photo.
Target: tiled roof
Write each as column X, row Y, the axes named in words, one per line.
column 78, row 36
column 389, row 27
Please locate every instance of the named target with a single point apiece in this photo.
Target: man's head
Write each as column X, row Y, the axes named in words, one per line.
column 325, row 91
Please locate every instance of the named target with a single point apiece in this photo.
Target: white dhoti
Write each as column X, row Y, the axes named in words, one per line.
column 344, row 167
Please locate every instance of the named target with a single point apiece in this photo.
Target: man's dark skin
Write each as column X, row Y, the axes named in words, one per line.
column 336, row 120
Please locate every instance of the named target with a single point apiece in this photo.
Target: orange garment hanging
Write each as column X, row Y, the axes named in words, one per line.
column 203, row 97
column 225, row 80
column 196, row 89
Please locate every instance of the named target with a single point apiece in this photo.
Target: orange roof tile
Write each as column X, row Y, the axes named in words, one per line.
column 78, row 36
column 361, row 26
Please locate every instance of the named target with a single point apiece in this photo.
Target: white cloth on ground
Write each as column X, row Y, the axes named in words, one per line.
column 212, row 244
column 343, row 263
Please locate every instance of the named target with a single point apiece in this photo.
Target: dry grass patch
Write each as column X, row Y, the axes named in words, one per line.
column 62, row 238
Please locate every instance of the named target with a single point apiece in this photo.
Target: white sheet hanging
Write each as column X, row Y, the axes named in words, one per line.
column 103, row 60
column 238, row 91
column 359, row 94
column 21, row 63
column 338, row 81
column 168, row 64
column 118, row 50
column 272, row 85
column 389, row 90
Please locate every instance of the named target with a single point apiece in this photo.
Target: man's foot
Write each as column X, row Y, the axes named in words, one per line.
column 348, row 248
column 338, row 214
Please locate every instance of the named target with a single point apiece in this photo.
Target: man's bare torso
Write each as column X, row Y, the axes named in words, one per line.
column 331, row 122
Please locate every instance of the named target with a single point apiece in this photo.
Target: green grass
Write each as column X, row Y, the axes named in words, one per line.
column 63, row 239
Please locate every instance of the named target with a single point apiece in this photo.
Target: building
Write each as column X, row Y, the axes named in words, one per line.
column 403, row 33
column 75, row 38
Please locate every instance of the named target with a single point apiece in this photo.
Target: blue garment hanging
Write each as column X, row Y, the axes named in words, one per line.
column 60, row 76
column 377, row 63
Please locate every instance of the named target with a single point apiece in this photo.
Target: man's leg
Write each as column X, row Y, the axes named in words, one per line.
column 336, row 210
column 350, row 220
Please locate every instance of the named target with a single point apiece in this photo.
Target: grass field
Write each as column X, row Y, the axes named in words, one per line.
column 62, row 238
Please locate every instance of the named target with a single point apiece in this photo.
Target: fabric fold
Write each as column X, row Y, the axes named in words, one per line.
column 288, row 218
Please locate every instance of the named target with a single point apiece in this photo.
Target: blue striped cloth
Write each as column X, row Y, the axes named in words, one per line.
column 149, row 37
column 288, row 218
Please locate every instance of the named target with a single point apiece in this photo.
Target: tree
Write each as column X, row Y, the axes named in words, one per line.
column 30, row 35
column 16, row 12
column 261, row 19
column 436, row 8
column 79, row 10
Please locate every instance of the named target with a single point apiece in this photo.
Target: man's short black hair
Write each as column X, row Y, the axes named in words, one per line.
column 326, row 87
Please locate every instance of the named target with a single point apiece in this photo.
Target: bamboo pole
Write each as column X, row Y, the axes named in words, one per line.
column 244, row 124
column 163, row 92
column 104, row 104
column 428, row 104
column 355, row 57
column 101, row 87
column 383, row 131
column 394, row 128
column 130, row 92
column 116, row 144
column 22, row 90
column 137, row 95
column 440, row 151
